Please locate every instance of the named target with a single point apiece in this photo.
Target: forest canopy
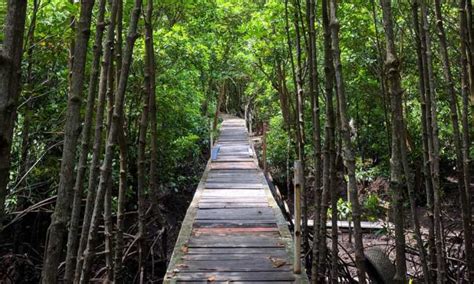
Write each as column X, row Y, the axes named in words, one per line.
column 107, row 109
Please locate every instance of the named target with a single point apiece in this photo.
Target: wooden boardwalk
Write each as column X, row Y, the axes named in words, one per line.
column 233, row 230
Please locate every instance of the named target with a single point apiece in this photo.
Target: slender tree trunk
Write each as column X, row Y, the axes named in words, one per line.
column 426, row 119
column 392, row 68
column 153, row 174
column 424, row 124
column 108, row 226
column 461, row 167
column 11, row 54
column 62, row 210
column 293, row 114
column 348, row 153
column 329, row 169
column 119, row 245
column 106, row 68
column 465, row 135
column 28, row 112
column 72, row 241
column 142, row 139
column 381, row 75
column 283, row 92
column 111, row 141
column 300, row 137
column 119, row 41
column 316, row 125
column 108, row 234
column 433, row 145
column 220, row 100
column 470, row 49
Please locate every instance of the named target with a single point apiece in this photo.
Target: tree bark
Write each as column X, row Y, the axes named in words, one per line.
column 347, row 148
column 392, row 69
column 316, row 127
column 72, row 241
column 461, row 168
column 470, row 49
column 108, row 226
column 28, row 112
column 465, row 134
column 106, row 68
column 430, row 256
column 153, row 174
column 11, row 53
column 433, row 145
column 62, row 211
column 141, row 160
column 105, row 174
column 119, row 245
column 329, row 169
column 300, row 136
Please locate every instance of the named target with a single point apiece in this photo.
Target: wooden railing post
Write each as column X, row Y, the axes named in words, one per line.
column 211, row 130
column 298, row 181
column 264, row 148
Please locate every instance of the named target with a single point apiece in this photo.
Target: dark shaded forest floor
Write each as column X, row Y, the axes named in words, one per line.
column 22, row 242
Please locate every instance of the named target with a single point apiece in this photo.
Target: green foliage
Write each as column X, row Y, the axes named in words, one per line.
column 344, row 210
column 367, row 172
column 279, row 152
column 372, row 208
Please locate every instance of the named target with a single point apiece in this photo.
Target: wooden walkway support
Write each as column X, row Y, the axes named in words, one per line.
column 233, row 230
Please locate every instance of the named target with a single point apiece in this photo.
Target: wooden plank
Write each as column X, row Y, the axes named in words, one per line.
column 235, row 214
column 282, row 255
column 235, row 199
column 232, row 165
column 235, row 276
column 249, row 264
column 215, row 185
column 234, row 230
column 232, row 251
column 235, row 241
column 232, row 193
column 215, row 205
column 233, row 223
column 236, row 180
column 234, row 172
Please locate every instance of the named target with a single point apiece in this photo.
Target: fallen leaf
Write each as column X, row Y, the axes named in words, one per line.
column 211, row 278
column 184, row 248
column 182, row 265
column 277, row 262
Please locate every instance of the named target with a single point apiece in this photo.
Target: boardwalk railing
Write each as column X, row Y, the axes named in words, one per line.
column 233, row 230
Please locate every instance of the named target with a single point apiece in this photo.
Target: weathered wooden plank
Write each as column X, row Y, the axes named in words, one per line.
column 250, row 264
column 235, row 276
column 222, row 192
column 233, row 230
column 211, row 205
column 235, row 241
column 216, row 185
column 280, row 255
column 234, row 251
column 235, row 199
column 235, row 214
column 233, row 223
column 240, row 180
column 232, row 165
column 234, row 172
column 243, row 282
